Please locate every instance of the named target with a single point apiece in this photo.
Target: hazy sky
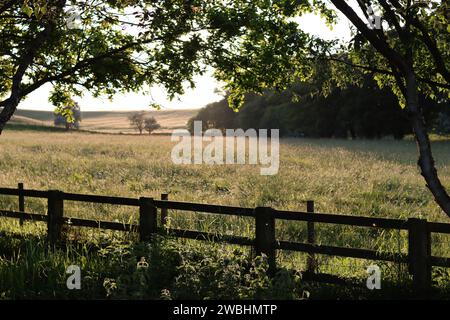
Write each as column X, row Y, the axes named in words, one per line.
column 193, row 98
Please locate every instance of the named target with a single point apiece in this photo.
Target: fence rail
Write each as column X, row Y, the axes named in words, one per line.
column 418, row 258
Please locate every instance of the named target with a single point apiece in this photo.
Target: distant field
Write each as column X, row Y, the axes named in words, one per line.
column 110, row 122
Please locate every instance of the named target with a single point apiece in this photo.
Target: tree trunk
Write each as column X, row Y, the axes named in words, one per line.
column 25, row 60
column 426, row 161
column 9, row 108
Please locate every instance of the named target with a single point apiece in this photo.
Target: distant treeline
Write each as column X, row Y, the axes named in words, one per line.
column 354, row 112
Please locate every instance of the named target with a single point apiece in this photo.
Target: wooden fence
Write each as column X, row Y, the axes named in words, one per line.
column 419, row 257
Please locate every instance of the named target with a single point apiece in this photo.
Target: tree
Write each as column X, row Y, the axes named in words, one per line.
column 356, row 111
column 442, row 123
column 69, row 117
column 217, row 115
column 137, row 121
column 122, row 45
column 151, row 125
column 409, row 54
column 252, row 46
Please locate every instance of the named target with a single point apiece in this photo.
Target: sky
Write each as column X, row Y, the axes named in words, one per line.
column 198, row 97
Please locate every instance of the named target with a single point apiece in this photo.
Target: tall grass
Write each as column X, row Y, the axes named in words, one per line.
column 370, row 178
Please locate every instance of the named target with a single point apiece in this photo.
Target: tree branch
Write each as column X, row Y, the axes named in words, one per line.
column 433, row 49
column 388, row 72
column 10, row 104
column 393, row 19
column 429, row 42
column 380, row 45
column 81, row 65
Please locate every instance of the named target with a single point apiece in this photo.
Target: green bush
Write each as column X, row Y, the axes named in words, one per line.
column 164, row 269
column 186, row 270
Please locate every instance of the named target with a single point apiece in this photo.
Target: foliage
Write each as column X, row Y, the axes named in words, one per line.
column 150, row 125
column 171, row 270
column 68, row 116
column 442, row 123
column 357, row 112
column 141, row 122
column 252, row 45
column 217, row 115
column 121, row 46
column 137, row 121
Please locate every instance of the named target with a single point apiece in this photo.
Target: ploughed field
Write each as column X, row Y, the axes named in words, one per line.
column 106, row 121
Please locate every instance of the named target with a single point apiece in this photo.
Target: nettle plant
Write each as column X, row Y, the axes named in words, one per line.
column 185, row 270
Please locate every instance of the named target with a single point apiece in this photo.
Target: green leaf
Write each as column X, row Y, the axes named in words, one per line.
column 44, row 9
column 27, row 10
column 155, row 105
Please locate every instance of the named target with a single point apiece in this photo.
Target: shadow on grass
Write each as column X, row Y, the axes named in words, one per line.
column 31, row 127
column 43, row 128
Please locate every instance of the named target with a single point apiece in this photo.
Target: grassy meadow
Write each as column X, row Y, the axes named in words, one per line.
column 370, row 178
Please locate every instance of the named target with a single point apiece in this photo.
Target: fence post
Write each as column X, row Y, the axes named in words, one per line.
column 164, row 215
column 55, row 216
column 419, row 252
column 21, row 201
column 311, row 259
column 148, row 219
column 265, row 235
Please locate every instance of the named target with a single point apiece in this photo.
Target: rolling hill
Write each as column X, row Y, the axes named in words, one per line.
column 108, row 121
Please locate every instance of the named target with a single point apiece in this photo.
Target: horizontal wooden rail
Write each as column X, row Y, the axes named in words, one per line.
column 174, row 205
column 101, row 199
column 342, row 219
column 23, row 215
column 438, row 227
column 341, row 251
column 440, row 262
column 26, row 193
column 206, row 208
column 117, row 226
column 197, row 235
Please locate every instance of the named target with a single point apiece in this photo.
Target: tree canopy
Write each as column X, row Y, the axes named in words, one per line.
column 69, row 116
column 408, row 53
column 151, row 124
column 127, row 45
column 357, row 112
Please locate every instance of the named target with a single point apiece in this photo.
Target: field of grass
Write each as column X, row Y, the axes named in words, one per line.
column 108, row 121
column 370, row 178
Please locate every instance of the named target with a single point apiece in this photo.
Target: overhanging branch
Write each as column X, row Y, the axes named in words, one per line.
column 380, row 45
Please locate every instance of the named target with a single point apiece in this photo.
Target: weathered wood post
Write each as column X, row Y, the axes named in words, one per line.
column 55, row 215
column 265, row 236
column 148, row 219
column 419, row 253
column 164, row 214
column 21, row 201
column 311, row 259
